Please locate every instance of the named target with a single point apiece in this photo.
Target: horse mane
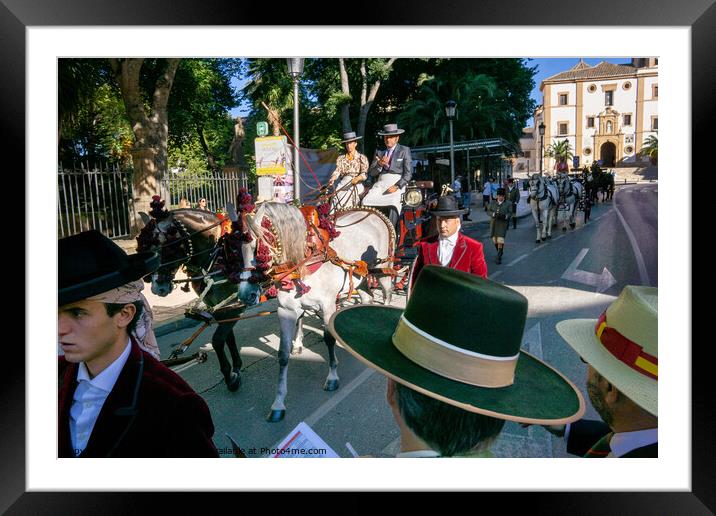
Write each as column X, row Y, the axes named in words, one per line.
column 290, row 225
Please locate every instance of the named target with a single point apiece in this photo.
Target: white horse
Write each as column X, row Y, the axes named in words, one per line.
column 543, row 199
column 365, row 234
column 569, row 195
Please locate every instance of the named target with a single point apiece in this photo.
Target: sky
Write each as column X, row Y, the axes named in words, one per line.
column 546, row 67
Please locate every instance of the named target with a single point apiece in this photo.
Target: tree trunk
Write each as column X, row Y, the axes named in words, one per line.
column 151, row 129
column 209, row 156
column 345, row 88
column 367, row 98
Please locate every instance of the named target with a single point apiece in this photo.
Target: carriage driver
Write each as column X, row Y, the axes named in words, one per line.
column 115, row 398
column 389, row 173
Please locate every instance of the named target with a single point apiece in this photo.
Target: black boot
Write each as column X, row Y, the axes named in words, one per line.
column 499, row 255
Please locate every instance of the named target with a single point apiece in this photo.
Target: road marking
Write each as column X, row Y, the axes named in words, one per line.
column 643, row 274
column 517, row 260
column 338, row 397
column 532, row 340
column 560, row 236
column 495, row 274
column 601, row 281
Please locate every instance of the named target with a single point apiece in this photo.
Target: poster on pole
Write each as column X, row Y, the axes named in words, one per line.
column 274, row 158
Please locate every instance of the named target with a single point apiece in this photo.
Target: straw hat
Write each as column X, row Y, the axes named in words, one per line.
column 350, row 137
column 623, row 344
column 483, row 370
column 391, row 130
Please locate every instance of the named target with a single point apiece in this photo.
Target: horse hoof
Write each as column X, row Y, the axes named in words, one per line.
column 330, row 385
column 234, row 382
column 572, row 226
column 296, row 351
column 276, row 415
column 564, row 230
column 538, row 241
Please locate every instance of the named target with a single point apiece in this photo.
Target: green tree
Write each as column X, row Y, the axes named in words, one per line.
column 560, row 149
column 145, row 85
column 651, row 147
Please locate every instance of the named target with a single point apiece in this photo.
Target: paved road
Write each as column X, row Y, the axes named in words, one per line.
column 551, row 275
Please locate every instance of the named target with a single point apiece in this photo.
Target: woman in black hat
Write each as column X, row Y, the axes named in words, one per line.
column 500, row 213
column 351, row 171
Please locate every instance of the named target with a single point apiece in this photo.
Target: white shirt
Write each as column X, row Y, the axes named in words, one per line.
column 418, row 454
column 89, row 397
column 624, row 442
column 446, row 247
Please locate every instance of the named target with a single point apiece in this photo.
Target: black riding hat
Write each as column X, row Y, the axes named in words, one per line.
column 89, row 263
column 447, row 207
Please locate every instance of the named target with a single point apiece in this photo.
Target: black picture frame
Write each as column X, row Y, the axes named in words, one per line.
column 700, row 16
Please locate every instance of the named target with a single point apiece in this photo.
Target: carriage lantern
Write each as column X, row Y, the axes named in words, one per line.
column 413, row 196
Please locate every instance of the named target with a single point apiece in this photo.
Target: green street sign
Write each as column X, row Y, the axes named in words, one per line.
column 262, row 129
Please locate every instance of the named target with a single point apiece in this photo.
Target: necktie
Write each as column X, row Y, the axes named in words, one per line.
column 601, row 449
column 390, row 157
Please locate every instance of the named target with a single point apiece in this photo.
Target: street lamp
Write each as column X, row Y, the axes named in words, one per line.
column 295, row 69
column 541, row 146
column 450, row 108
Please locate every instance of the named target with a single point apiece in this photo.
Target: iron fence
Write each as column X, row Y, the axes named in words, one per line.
column 94, row 198
column 100, row 197
column 217, row 188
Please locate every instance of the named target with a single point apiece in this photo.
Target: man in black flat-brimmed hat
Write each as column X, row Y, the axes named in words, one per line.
column 451, row 390
column 115, row 398
column 450, row 248
column 389, row 173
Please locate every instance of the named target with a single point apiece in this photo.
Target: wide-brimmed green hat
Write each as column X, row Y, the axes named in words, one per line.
column 458, row 341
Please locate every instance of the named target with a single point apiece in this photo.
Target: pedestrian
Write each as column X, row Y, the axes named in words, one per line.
column 115, row 398
column 389, row 173
column 487, row 194
column 500, row 213
column 184, row 203
column 457, row 189
column 587, row 206
column 466, row 199
column 450, row 248
column 494, row 185
column 621, row 350
column 351, row 171
column 450, row 392
column 513, row 195
column 202, row 205
column 561, row 166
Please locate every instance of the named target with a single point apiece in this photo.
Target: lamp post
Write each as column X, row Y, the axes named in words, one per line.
column 450, row 108
column 295, row 69
column 541, row 146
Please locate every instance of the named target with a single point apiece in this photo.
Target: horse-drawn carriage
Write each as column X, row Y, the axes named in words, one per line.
column 310, row 259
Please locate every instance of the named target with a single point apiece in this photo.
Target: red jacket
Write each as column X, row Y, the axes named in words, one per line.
column 151, row 412
column 467, row 257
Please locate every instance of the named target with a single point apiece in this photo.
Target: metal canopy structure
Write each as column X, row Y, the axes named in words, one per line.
column 493, row 147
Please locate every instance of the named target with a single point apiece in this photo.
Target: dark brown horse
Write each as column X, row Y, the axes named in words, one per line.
column 189, row 238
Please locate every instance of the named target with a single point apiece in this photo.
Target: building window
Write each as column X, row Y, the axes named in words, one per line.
column 656, row 61
column 528, row 154
column 592, row 88
column 654, row 91
column 654, row 123
column 563, row 126
column 590, row 121
column 626, row 85
column 587, row 151
column 627, row 119
column 562, row 99
column 608, row 98
column 609, row 126
column 628, row 149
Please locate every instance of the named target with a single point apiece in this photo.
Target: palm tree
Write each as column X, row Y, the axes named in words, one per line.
column 651, row 148
column 561, row 149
